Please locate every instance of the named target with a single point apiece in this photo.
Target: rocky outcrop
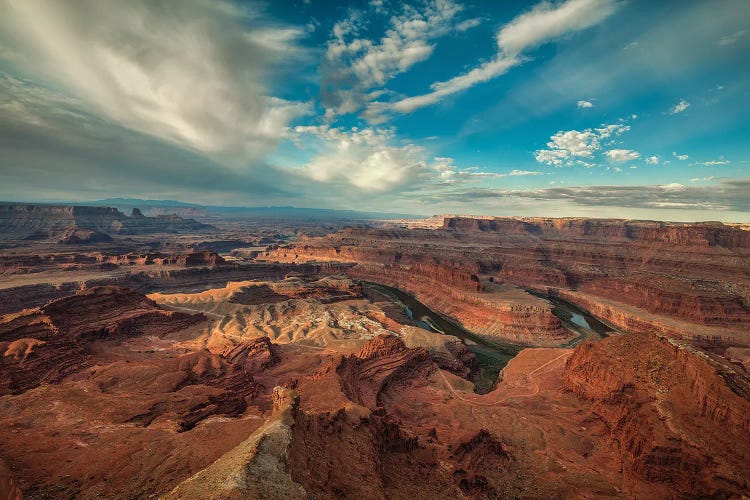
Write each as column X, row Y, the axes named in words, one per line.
column 259, row 467
column 389, row 463
column 253, row 355
column 8, row 488
column 44, row 345
column 383, row 362
column 482, row 308
column 163, row 279
column 327, row 290
column 703, row 234
column 344, row 413
column 192, row 413
column 677, row 425
column 200, row 258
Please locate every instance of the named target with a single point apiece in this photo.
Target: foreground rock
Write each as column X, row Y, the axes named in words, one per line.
column 170, row 403
column 676, row 423
column 258, row 467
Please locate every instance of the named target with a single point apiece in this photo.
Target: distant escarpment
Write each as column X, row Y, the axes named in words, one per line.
column 84, row 224
column 689, row 280
column 701, row 234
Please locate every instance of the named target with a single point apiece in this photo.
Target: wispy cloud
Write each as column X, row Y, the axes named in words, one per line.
column 713, row 163
column 732, row 195
column 544, row 23
column 355, row 65
column 55, row 147
column 732, row 38
column 680, row 157
column 679, row 107
column 199, row 85
column 468, row 24
column 524, row 172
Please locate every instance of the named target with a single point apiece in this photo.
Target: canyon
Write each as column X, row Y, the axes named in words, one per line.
column 685, row 280
column 455, row 357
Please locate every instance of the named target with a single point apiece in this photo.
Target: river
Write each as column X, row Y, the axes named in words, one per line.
column 491, row 355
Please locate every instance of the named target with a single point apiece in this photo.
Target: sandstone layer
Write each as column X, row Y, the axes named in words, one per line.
column 175, row 403
column 84, row 224
column 696, row 274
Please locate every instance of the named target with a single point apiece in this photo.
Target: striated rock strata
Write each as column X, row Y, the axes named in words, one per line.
column 677, row 425
column 698, row 274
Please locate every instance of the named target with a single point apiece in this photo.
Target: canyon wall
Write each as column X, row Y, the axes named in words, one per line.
column 677, row 425
column 84, row 224
column 688, row 278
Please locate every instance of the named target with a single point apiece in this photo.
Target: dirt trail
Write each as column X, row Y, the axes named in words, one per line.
column 495, row 403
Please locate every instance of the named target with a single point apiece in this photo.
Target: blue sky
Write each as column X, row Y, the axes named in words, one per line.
column 608, row 108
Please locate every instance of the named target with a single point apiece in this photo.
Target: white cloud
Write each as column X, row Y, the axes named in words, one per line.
column 680, row 157
column 673, row 187
column 363, row 158
column 468, row 24
column 378, row 6
column 573, row 147
column 703, row 179
column 652, row 160
column 585, row 104
column 355, row 65
column 679, row 107
column 620, row 155
column 524, row 172
column 479, row 74
column 547, row 21
column 615, row 129
column 713, row 163
column 732, row 38
column 368, row 160
column 566, row 146
column 544, row 23
column 197, row 84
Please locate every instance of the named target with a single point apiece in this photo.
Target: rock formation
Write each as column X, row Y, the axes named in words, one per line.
column 43, row 345
column 697, row 275
column 84, row 224
column 676, row 423
column 303, row 378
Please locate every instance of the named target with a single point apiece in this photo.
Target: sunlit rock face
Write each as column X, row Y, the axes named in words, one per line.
column 690, row 280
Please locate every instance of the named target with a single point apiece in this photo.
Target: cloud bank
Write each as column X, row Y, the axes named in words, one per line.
column 193, row 73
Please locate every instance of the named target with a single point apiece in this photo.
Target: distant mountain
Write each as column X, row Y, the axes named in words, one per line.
column 159, row 207
column 303, row 213
column 138, row 202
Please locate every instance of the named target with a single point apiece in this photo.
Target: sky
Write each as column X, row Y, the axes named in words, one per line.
column 597, row 108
